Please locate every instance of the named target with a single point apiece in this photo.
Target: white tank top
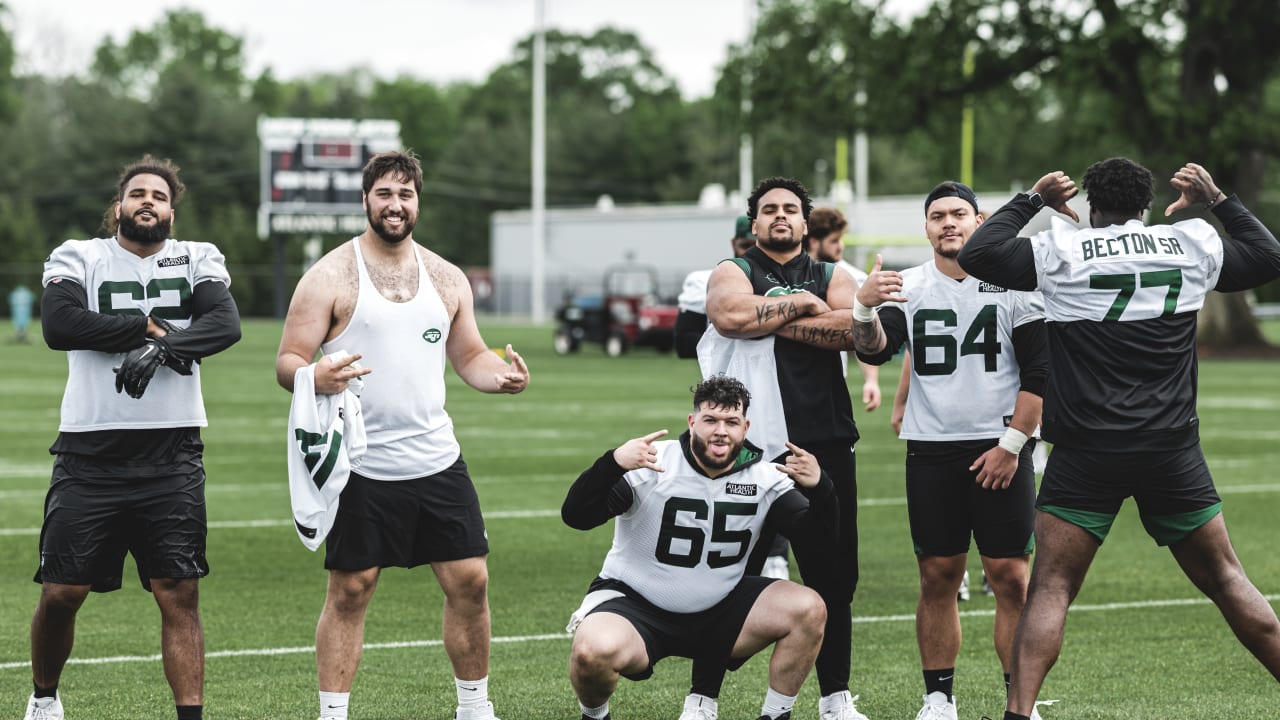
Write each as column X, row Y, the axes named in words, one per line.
column 409, row 433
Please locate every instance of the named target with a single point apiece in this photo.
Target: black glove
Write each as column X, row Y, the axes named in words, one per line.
column 173, row 362
column 140, row 364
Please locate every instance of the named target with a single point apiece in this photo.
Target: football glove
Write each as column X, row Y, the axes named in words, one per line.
column 139, row 366
column 182, row 367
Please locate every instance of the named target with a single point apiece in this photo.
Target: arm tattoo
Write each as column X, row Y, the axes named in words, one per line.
column 868, row 338
column 785, row 310
column 819, row 336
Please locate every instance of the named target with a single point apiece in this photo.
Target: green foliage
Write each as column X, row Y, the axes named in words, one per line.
column 1140, row 635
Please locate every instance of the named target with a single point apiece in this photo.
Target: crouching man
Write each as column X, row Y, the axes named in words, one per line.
column 689, row 511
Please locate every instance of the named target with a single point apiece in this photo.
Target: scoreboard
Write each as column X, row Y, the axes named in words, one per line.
column 311, row 173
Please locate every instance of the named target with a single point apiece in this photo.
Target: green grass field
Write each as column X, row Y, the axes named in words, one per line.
column 1141, row 642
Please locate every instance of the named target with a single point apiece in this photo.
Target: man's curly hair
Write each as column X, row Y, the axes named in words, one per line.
column 1119, row 185
column 722, row 391
column 149, row 165
column 786, row 183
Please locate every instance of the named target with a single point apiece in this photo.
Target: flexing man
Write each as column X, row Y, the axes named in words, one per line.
column 1121, row 299
column 128, row 476
column 689, row 512
column 783, row 317
column 402, row 309
column 977, row 370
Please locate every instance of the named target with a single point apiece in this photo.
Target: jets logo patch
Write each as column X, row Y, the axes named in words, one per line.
column 432, row 335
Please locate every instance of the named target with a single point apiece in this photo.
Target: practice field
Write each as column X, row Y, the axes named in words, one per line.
column 1140, row 643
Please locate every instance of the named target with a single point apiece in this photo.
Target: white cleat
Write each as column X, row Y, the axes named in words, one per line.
column 44, row 708
column 937, row 707
column 699, row 707
column 840, row 706
column 484, row 712
column 963, row 594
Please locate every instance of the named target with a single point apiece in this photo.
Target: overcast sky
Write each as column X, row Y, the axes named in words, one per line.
column 437, row 40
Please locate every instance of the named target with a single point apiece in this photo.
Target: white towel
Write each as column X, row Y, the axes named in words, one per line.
column 326, row 441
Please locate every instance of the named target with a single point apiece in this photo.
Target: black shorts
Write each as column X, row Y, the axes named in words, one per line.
column 709, row 634
column 1173, row 489
column 406, row 523
column 945, row 506
column 95, row 512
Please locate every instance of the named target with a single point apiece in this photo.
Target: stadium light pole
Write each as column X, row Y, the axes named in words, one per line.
column 538, row 182
column 745, row 145
column 966, row 120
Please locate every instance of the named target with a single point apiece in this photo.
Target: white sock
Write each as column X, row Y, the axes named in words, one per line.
column 597, row 713
column 334, row 705
column 775, row 703
column 472, row 693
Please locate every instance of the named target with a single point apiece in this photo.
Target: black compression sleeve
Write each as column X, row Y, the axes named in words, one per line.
column 598, row 494
column 996, row 254
column 1030, row 346
column 1251, row 255
column 69, row 324
column 215, row 323
column 808, row 510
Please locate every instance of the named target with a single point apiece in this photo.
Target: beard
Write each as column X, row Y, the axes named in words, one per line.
column 779, row 244
column 947, row 251
column 144, row 234
column 380, row 228
column 699, row 447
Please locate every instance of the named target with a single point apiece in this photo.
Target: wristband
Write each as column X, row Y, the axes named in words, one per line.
column 1209, row 205
column 862, row 313
column 1013, row 440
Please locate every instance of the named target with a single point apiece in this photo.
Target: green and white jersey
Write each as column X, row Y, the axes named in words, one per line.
column 117, row 282
column 1125, row 273
column 1120, row 311
column 964, row 373
column 684, row 542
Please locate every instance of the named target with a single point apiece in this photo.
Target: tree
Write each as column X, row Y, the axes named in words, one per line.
column 8, row 100
column 1057, row 85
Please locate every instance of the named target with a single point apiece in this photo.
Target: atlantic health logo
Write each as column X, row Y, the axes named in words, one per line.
column 432, row 335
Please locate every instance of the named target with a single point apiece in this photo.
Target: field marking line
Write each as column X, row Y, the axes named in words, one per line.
column 871, row 619
column 517, row 514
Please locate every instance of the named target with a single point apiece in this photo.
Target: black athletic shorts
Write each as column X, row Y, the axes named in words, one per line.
column 96, row 511
column 406, row 523
column 946, row 506
column 1173, row 489
column 709, row 634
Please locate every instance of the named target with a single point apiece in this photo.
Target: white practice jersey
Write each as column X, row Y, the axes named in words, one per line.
column 117, row 282
column 964, row 373
column 684, row 542
column 693, row 294
column 1125, row 273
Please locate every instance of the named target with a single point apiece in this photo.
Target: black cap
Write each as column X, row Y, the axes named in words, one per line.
column 951, row 188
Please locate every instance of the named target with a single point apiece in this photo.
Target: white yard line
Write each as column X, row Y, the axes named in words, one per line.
column 515, row 514
column 307, row 650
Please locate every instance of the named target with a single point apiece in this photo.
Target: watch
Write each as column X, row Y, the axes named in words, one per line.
column 1037, row 202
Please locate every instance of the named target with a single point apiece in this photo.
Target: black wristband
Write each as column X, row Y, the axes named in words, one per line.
column 1210, row 205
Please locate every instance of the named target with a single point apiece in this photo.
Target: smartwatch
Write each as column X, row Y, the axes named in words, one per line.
column 1037, row 202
